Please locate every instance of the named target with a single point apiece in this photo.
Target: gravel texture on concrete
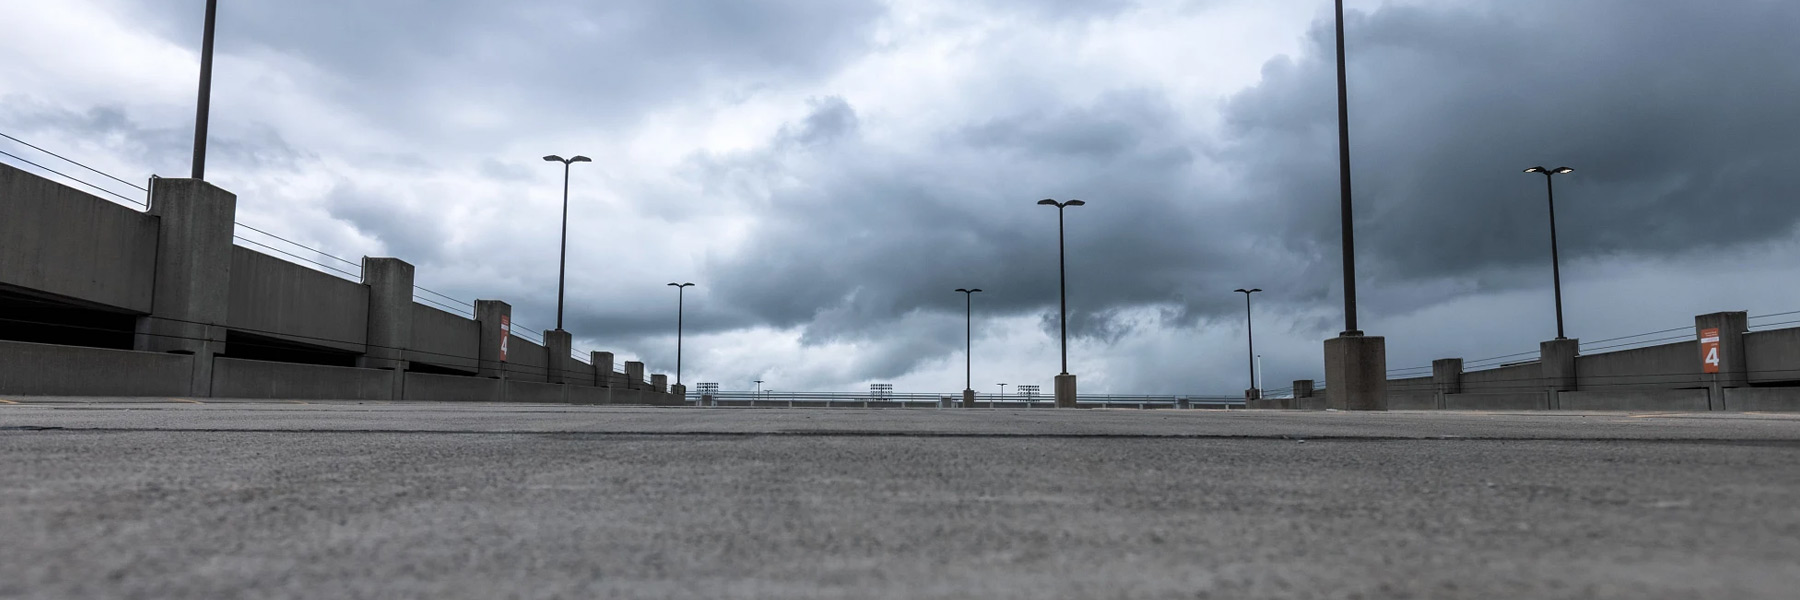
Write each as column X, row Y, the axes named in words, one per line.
column 273, row 500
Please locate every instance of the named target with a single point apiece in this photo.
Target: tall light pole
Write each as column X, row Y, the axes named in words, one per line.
column 1002, row 391
column 1063, row 399
column 1250, row 334
column 759, row 389
column 969, row 347
column 680, row 301
column 1355, row 364
column 203, row 107
column 563, row 262
column 1555, row 266
column 1349, row 228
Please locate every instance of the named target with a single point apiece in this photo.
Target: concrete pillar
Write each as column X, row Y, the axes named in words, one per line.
column 679, row 391
column 1733, row 370
column 602, row 362
column 634, row 375
column 390, row 282
column 1065, row 391
column 660, row 383
column 1556, row 365
column 1356, row 373
column 191, row 293
column 968, row 400
column 558, row 344
column 1446, row 378
column 1305, row 397
column 495, row 320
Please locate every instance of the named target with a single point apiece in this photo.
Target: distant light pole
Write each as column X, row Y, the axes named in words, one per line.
column 563, row 262
column 969, row 336
column 759, row 389
column 680, row 301
column 203, row 108
column 1555, row 267
column 1250, row 334
column 1002, row 391
column 1062, row 269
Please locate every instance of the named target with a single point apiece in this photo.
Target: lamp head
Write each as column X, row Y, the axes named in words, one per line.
column 1537, row 170
column 1047, row 202
column 1563, row 170
column 1074, row 203
column 553, row 158
column 580, row 158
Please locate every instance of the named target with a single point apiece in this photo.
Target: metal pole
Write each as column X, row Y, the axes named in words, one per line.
column 1555, row 262
column 1062, row 271
column 204, row 106
column 1344, row 180
column 969, row 340
column 680, row 307
column 563, row 262
column 1250, row 331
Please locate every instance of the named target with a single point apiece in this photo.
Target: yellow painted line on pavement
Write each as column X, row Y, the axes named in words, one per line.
column 5, row 401
column 187, row 401
column 1655, row 415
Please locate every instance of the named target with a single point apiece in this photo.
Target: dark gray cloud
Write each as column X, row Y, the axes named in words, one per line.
column 423, row 67
column 1671, row 112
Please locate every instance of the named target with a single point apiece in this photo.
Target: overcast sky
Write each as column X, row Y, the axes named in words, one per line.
column 828, row 171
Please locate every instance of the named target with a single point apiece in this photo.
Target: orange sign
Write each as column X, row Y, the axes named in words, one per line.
column 505, row 333
column 1709, row 350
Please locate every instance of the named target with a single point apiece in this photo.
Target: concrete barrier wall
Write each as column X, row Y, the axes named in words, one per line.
column 579, row 373
column 1504, row 380
column 239, row 378
column 1649, row 368
column 61, row 241
column 1411, row 401
column 30, row 369
column 525, row 360
column 1512, row 401
column 1783, row 399
column 1678, row 400
column 1772, row 356
column 576, row 394
column 535, row 392
column 270, row 296
column 451, row 388
column 444, row 339
column 1411, row 384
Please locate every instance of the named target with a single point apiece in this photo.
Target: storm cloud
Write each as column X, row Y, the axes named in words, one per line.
column 829, row 172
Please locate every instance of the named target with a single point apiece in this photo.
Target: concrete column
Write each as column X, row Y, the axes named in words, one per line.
column 191, row 293
column 1556, row 364
column 634, row 375
column 557, row 344
column 1733, row 368
column 495, row 320
column 1356, row 373
column 390, row 282
column 1446, row 378
column 679, row 391
column 602, row 362
column 660, row 383
column 1305, row 397
column 1065, row 391
column 968, row 400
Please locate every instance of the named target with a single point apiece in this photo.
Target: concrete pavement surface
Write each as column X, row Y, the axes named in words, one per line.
column 177, row 498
